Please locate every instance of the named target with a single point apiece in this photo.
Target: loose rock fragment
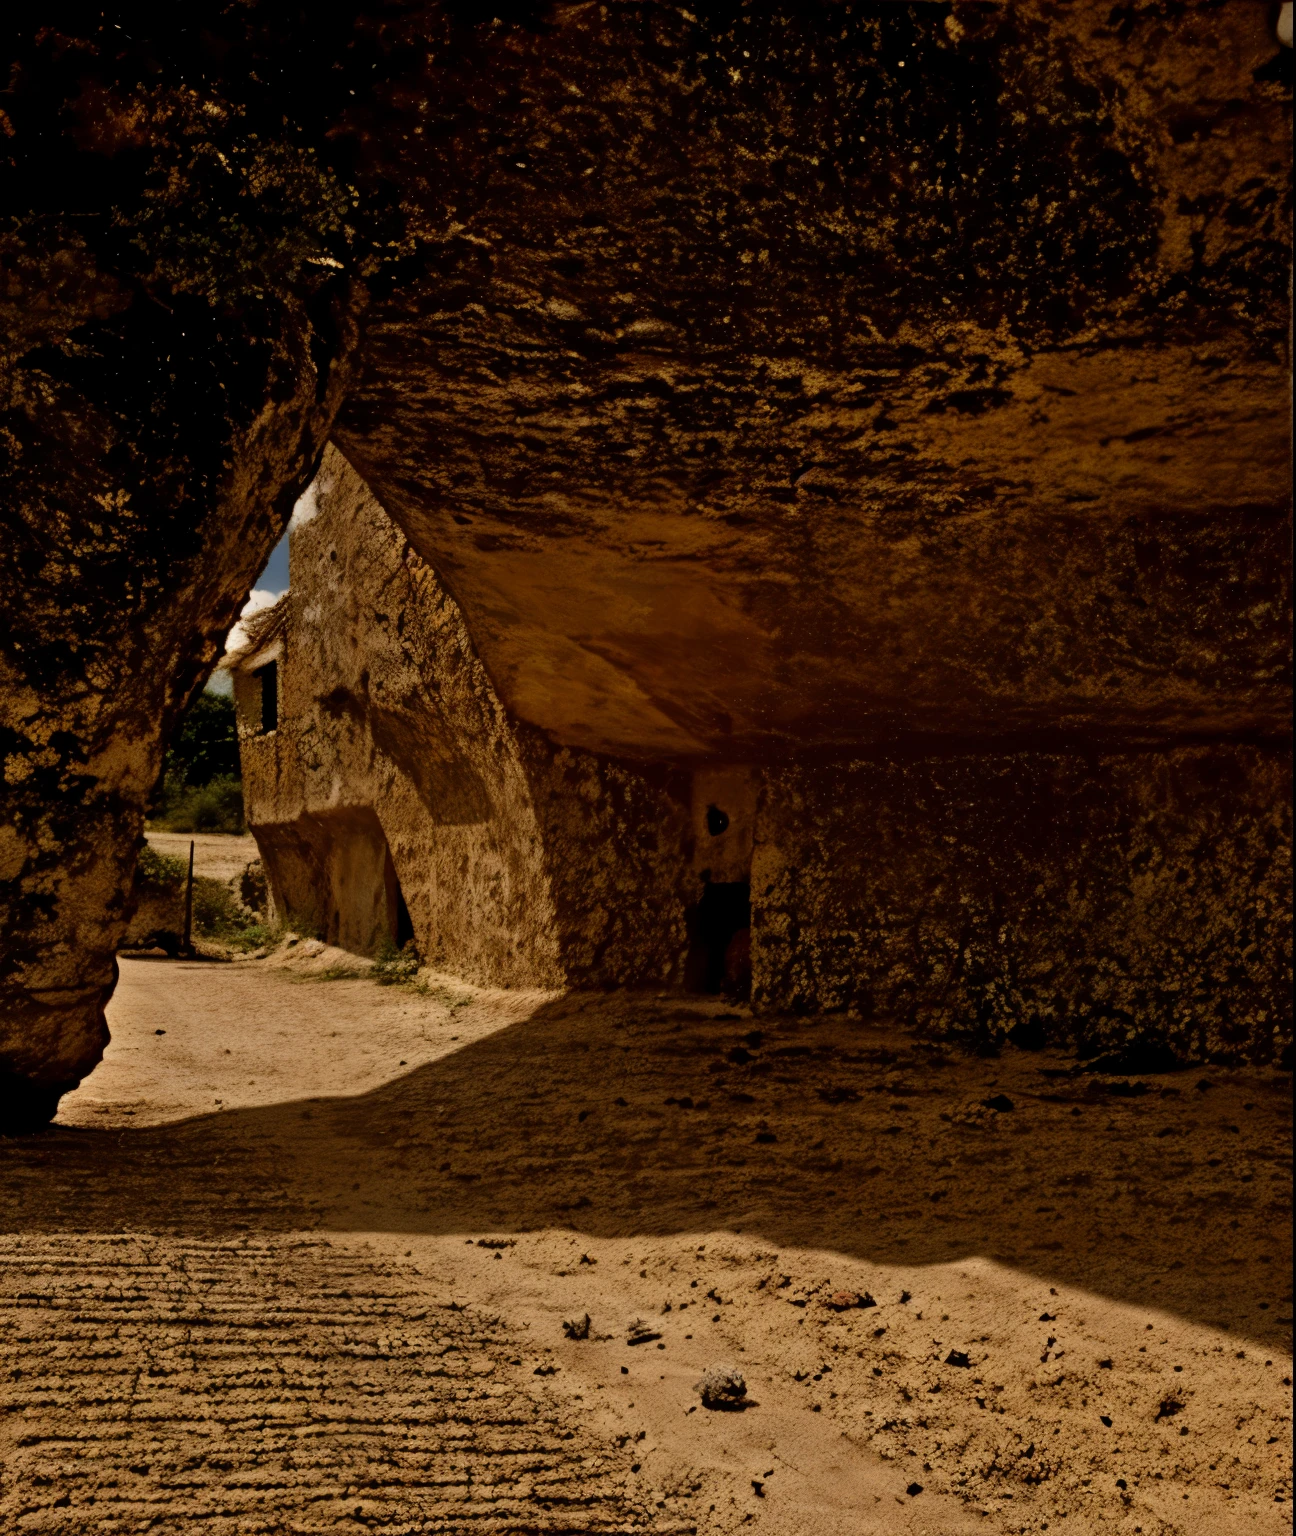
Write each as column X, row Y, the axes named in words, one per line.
column 639, row 1332
column 722, row 1386
column 843, row 1301
column 577, row 1327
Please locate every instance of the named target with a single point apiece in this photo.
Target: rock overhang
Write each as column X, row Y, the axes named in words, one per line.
column 763, row 382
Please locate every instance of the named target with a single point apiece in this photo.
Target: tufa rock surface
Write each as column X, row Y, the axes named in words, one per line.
column 792, row 394
column 174, row 344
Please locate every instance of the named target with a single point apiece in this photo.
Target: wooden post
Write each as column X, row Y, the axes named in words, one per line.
column 188, row 924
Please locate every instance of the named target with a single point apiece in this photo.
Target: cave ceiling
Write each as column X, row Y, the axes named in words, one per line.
column 764, row 381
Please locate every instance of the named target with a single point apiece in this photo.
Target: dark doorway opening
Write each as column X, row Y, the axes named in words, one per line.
column 404, row 924
column 719, row 930
column 400, row 926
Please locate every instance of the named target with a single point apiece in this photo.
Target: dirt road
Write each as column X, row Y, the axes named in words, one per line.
column 302, row 1262
column 217, row 855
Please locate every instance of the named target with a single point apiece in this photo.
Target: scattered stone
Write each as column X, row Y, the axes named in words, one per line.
column 1168, row 1409
column 842, row 1301
column 1000, row 1102
column 577, row 1327
column 639, row 1332
column 497, row 1242
column 914, row 1489
column 973, row 1114
column 722, row 1386
column 957, row 1357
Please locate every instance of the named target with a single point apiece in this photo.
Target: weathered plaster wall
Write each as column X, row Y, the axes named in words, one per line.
column 519, row 864
column 1107, row 897
column 614, row 839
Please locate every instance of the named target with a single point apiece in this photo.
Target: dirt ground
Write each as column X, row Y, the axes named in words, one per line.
column 298, row 1258
column 217, row 855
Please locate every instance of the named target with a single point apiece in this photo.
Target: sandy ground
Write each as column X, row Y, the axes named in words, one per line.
column 301, row 1261
column 217, row 855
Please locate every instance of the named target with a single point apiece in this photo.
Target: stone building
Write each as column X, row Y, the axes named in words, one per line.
column 393, row 795
column 1044, row 889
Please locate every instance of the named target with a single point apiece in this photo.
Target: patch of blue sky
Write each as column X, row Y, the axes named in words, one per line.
column 274, row 579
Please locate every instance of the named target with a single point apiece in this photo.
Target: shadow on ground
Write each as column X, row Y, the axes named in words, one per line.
column 626, row 1115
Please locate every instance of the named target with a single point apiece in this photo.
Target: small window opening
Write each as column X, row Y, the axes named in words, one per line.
column 268, row 677
column 719, row 929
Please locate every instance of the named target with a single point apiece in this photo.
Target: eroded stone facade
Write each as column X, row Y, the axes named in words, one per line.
column 1089, row 898
column 397, row 798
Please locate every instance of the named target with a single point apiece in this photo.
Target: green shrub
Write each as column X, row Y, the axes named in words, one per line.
column 256, row 935
column 216, row 806
column 200, row 789
column 155, row 871
column 206, row 745
column 394, row 966
column 218, row 914
column 215, row 911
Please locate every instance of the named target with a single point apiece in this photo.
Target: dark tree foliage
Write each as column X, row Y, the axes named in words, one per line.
column 206, row 745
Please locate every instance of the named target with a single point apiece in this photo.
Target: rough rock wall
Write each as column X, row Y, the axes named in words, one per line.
column 1091, row 898
column 518, row 864
column 175, row 335
column 614, row 838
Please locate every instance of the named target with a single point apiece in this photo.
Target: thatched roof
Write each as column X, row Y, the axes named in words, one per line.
column 253, row 633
